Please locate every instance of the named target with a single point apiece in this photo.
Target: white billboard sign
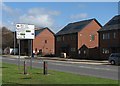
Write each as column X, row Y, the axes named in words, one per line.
column 25, row 31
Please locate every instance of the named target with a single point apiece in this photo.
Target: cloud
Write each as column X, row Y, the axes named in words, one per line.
column 38, row 20
column 13, row 12
column 41, row 11
column 7, row 9
column 40, row 17
column 79, row 16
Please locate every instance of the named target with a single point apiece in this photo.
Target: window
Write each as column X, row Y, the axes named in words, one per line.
column 63, row 38
column 105, row 51
column 114, row 35
column 58, row 39
column 106, row 36
column 92, row 37
column 72, row 37
column 103, row 36
column 84, row 51
column 73, row 49
column 45, row 41
column 35, row 49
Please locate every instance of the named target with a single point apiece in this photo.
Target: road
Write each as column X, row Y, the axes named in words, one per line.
column 102, row 71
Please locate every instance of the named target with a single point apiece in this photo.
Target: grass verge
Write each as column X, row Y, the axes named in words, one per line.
column 11, row 75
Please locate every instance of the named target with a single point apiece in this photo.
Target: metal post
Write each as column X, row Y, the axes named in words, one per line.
column 31, row 54
column 45, row 67
column 25, row 68
column 19, row 57
column 14, row 42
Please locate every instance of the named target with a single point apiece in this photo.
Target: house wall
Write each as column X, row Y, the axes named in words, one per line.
column 94, row 53
column 84, row 36
column 112, row 44
column 81, row 38
column 45, row 41
column 66, row 44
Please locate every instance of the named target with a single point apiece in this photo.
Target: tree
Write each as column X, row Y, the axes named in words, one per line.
column 7, row 38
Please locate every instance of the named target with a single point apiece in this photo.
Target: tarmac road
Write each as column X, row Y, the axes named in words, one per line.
column 102, row 71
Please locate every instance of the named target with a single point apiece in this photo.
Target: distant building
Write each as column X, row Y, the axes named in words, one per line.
column 42, row 44
column 73, row 36
column 109, row 37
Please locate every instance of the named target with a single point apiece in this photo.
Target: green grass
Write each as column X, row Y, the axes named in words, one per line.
column 11, row 75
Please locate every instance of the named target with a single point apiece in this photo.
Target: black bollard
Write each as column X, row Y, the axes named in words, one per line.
column 25, row 68
column 45, row 67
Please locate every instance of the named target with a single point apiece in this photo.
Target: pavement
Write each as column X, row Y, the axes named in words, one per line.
column 61, row 59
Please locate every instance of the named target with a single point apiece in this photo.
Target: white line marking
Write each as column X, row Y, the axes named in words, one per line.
column 87, row 67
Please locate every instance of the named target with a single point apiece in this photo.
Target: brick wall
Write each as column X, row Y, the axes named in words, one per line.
column 44, row 41
column 84, row 36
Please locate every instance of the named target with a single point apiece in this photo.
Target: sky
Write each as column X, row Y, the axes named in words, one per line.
column 56, row 15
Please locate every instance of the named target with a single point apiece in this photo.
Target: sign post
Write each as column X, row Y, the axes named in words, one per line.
column 25, row 31
column 31, row 54
column 19, row 57
column 14, row 43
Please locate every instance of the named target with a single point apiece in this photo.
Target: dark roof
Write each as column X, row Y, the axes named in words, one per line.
column 75, row 27
column 113, row 24
column 38, row 31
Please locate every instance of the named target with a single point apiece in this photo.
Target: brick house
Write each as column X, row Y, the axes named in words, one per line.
column 43, row 42
column 73, row 36
column 109, row 37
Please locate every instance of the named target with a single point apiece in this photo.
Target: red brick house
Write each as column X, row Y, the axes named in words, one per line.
column 73, row 36
column 109, row 37
column 42, row 44
column 44, row 41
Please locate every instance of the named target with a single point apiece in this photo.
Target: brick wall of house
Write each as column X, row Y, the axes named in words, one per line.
column 66, row 44
column 112, row 44
column 44, row 41
column 84, row 36
column 109, row 42
column 94, row 53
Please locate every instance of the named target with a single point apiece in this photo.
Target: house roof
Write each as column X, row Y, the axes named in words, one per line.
column 113, row 24
column 38, row 30
column 75, row 27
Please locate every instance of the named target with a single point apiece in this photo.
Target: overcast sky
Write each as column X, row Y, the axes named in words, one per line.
column 56, row 15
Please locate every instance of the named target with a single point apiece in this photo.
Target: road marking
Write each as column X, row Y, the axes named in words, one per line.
column 92, row 63
column 98, row 68
column 87, row 67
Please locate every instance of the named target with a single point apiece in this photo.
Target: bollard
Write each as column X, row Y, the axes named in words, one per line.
column 25, row 68
column 45, row 67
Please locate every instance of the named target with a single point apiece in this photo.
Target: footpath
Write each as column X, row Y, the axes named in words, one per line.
column 61, row 59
